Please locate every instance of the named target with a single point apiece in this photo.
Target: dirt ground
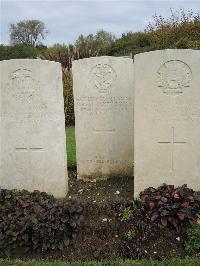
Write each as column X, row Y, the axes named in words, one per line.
column 103, row 191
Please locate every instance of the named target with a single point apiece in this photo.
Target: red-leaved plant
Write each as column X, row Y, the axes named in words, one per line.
column 167, row 205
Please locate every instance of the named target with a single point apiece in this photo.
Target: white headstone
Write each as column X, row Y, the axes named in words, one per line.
column 103, row 96
column 167, row 119
column 33, row 146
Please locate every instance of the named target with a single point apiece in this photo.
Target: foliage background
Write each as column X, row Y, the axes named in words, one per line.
column 179, row 31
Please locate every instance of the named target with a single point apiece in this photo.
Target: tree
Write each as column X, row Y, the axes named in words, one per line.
column 28, row 32
column 180, row 30
column 98, row 44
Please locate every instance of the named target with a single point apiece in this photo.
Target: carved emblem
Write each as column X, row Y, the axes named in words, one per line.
column 102, row 77
column 22, row 85
column 174, row 76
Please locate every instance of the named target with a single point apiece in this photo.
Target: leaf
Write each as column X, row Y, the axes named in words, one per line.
column 163, row 199
column 176, row 196
column 7, row 252
column 181, row 215
column 164, row 221
column 185, row 203
column 164, row 212
column 154, row 217
column 1, row 236
column 66, row 242
column 192, row 222
column 151, row 205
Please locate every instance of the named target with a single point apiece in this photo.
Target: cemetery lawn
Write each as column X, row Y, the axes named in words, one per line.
column 71, row 147
column 172, row 262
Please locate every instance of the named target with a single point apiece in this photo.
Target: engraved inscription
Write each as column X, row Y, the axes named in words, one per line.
column 103, row 77
column 27, row 101
column 112, row 130
column 172, row 142
column 102, row 160
column 174, row 76
column 174, row 111
column 101, row 105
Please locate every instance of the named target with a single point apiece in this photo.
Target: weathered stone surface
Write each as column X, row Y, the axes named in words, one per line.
column 33, row 147
column 167, row 119
column 103, row 95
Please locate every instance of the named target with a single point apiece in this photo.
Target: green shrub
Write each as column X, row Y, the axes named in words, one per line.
column 5, row 52
column 23, row 51
column 17, row 51
column 36, row 221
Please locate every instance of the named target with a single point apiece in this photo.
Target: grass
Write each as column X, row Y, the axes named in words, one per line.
column 71, row 147
column 172, row 262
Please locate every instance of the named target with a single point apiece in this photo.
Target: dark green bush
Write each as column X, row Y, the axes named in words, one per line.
column 17, row 51
column 36, row 221
column 68, row 98
column 5, row 52
column 23, row 51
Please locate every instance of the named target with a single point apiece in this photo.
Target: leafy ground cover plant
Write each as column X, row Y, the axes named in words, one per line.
column 168, row 205
column 130, row 234
column 36, row 221
column 126, row 214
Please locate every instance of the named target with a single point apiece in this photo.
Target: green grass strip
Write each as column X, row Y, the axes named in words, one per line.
column 172, row 262
column 71, row 146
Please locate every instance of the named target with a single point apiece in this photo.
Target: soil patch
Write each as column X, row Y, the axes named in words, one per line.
column 102, row 191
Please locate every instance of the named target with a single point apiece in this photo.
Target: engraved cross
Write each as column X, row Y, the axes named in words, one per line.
column 29, row 151
column 172, row 142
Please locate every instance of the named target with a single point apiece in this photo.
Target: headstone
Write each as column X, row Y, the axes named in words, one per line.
column 103, row 95
column 167, row 119
column 32, row 131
